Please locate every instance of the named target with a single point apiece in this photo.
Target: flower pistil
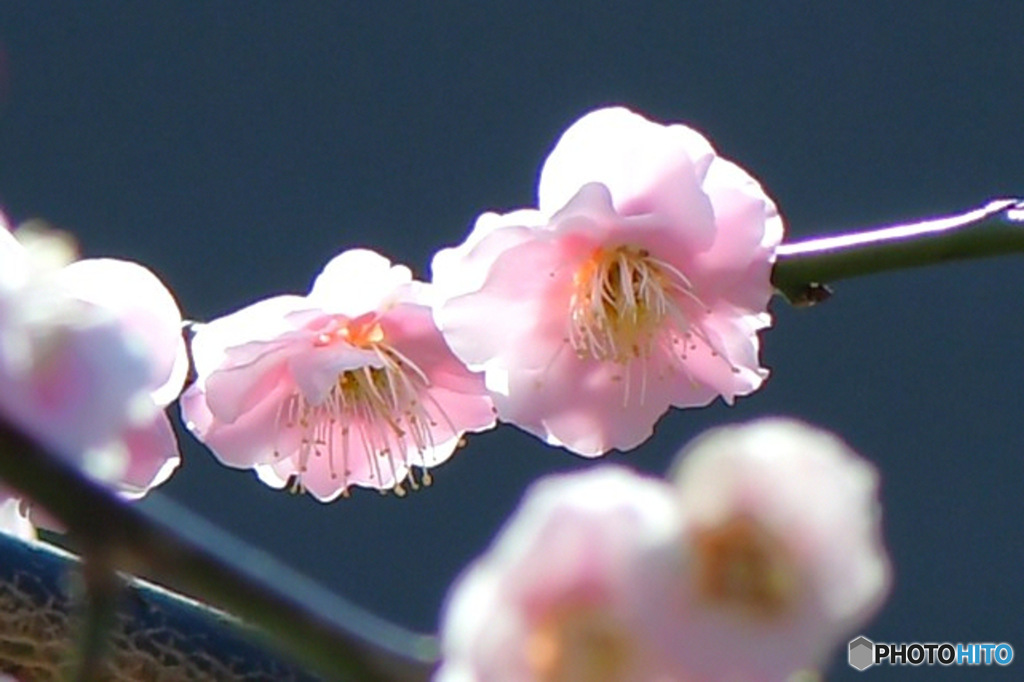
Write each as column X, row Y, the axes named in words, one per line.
column 740, row 565
column 579, row 643
column 381, row 405
column 620, row 300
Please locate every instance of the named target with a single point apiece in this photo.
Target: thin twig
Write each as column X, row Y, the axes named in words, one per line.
column 804, row 269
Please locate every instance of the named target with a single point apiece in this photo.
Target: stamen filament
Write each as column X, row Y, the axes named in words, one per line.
column 627, row 304
column 386, row 405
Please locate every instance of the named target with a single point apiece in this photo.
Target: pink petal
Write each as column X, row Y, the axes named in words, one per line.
column 239, row 386
column 153, row 456
column 516, row 320
column 81, row 396
column 649, row 168
column 729, row 365
column 463, row 269
column 326, row 473
column 238, row 354
column 738, row 266
column 264, row 320
column 316, row 370
column 410, row 329
column 453, row 413
column 144, row 305
column 254, row 436
column 584, row 405
column 356, row 282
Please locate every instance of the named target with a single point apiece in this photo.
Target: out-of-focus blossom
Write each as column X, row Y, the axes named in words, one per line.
column 762, row 557
column 556, row 597
column 639, row 282
column 784, row 557
column 90, row 353
column 14, row 518
column 350, row 385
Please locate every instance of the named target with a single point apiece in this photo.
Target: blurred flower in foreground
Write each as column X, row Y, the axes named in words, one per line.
column 784, row 557
column 14, row 519
column 763, row 557
column 350, row 385
column 90, row 353
column 556, row 596
column 639, row 283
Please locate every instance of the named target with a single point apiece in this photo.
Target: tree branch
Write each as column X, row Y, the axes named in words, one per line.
column 803, row 269
column 179, row 550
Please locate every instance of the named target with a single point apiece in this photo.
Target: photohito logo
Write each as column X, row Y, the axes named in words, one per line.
column 863, row 653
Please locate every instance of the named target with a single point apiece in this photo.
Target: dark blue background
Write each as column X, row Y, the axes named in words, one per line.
column 235, row 147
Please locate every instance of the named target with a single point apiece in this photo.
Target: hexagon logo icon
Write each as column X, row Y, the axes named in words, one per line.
column 862, row 653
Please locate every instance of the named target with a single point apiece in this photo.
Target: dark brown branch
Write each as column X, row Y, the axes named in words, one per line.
column 183, row 552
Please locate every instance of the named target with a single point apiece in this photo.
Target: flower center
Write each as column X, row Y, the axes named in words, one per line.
column 580, row 643
column 378, row 412
column 740, row 565
column 361, row 332
column 621, row 299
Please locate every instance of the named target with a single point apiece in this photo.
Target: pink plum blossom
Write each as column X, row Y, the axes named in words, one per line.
column 639, row 282
column 761, row 557
column 784, row 558
column 556, row 597
column 350, row 385
column 90, row 354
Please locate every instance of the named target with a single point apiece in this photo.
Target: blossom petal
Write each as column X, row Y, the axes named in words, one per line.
column 357, row 281
column 525, row 315
column 463, row 269
column 253, row 436
column 412, row 332
column 153, row 456
column 316, row 370
column 648, row 168
column 81, row 396
column 135, row 295
column 592, row 407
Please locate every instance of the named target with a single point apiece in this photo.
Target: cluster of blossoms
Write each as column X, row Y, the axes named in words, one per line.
column 761, row 555
column 639, row 282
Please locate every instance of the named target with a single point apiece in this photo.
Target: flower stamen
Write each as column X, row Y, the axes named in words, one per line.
column 579, row 643
column 740, row 565
column 622, row 297
column 384, row 406
column 626, row 303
